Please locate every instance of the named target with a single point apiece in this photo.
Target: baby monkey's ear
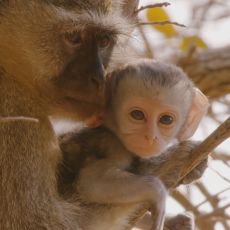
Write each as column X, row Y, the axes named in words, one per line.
column 197, row 111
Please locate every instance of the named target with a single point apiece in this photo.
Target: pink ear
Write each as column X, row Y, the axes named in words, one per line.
column 197, row 111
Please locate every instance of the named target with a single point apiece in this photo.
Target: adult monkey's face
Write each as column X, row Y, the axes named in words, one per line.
column 62, row 50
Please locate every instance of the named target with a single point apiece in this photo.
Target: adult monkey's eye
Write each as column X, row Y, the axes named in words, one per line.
column 137, row 115
column 74, row 38
column 166, row 119
column 104, row 41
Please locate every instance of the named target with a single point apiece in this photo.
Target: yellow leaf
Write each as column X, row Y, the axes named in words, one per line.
column 158, row 14
column 189, row 41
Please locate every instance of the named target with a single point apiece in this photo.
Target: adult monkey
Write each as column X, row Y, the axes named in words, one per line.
column 53, row 55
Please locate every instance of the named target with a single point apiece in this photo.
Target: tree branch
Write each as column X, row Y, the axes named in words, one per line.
column 202, row 151
column 163, row 4
column 161, row 23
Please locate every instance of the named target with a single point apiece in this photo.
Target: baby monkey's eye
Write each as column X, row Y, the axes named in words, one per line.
column 166, row 120
column 137, row 115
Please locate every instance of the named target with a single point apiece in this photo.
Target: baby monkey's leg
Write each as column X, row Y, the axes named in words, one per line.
column 158, row 215
column 102, row 183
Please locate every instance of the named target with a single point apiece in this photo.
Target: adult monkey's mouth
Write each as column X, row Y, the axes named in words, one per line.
column 85, row 101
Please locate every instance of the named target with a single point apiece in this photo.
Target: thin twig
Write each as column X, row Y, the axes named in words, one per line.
column 221, row 176
column 148, row 51
column 163, row 4
column 202, row 151
column 213, row 200
column 218, row 212
column 161, row 23
column 205, row 9
column 213, row 197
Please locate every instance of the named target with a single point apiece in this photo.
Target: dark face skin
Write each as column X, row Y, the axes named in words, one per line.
column 83, row 76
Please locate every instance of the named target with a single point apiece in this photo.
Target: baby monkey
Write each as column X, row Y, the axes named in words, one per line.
column 148, row 105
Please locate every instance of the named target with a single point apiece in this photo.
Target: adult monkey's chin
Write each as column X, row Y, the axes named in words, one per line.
column 74, row 109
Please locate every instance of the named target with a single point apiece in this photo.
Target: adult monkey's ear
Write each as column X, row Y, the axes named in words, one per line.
column 129, row 8
column 197, row 111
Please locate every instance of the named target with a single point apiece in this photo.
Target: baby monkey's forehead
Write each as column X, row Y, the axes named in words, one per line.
column 137, row 92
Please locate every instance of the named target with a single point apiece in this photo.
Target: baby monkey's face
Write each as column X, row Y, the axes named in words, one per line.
column 151, row 104
column 147, row 125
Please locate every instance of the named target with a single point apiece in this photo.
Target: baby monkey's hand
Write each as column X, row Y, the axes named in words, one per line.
column 96, row 120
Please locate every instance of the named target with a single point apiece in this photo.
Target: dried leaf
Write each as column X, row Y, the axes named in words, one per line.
column 189, row 41
column 159, row 14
